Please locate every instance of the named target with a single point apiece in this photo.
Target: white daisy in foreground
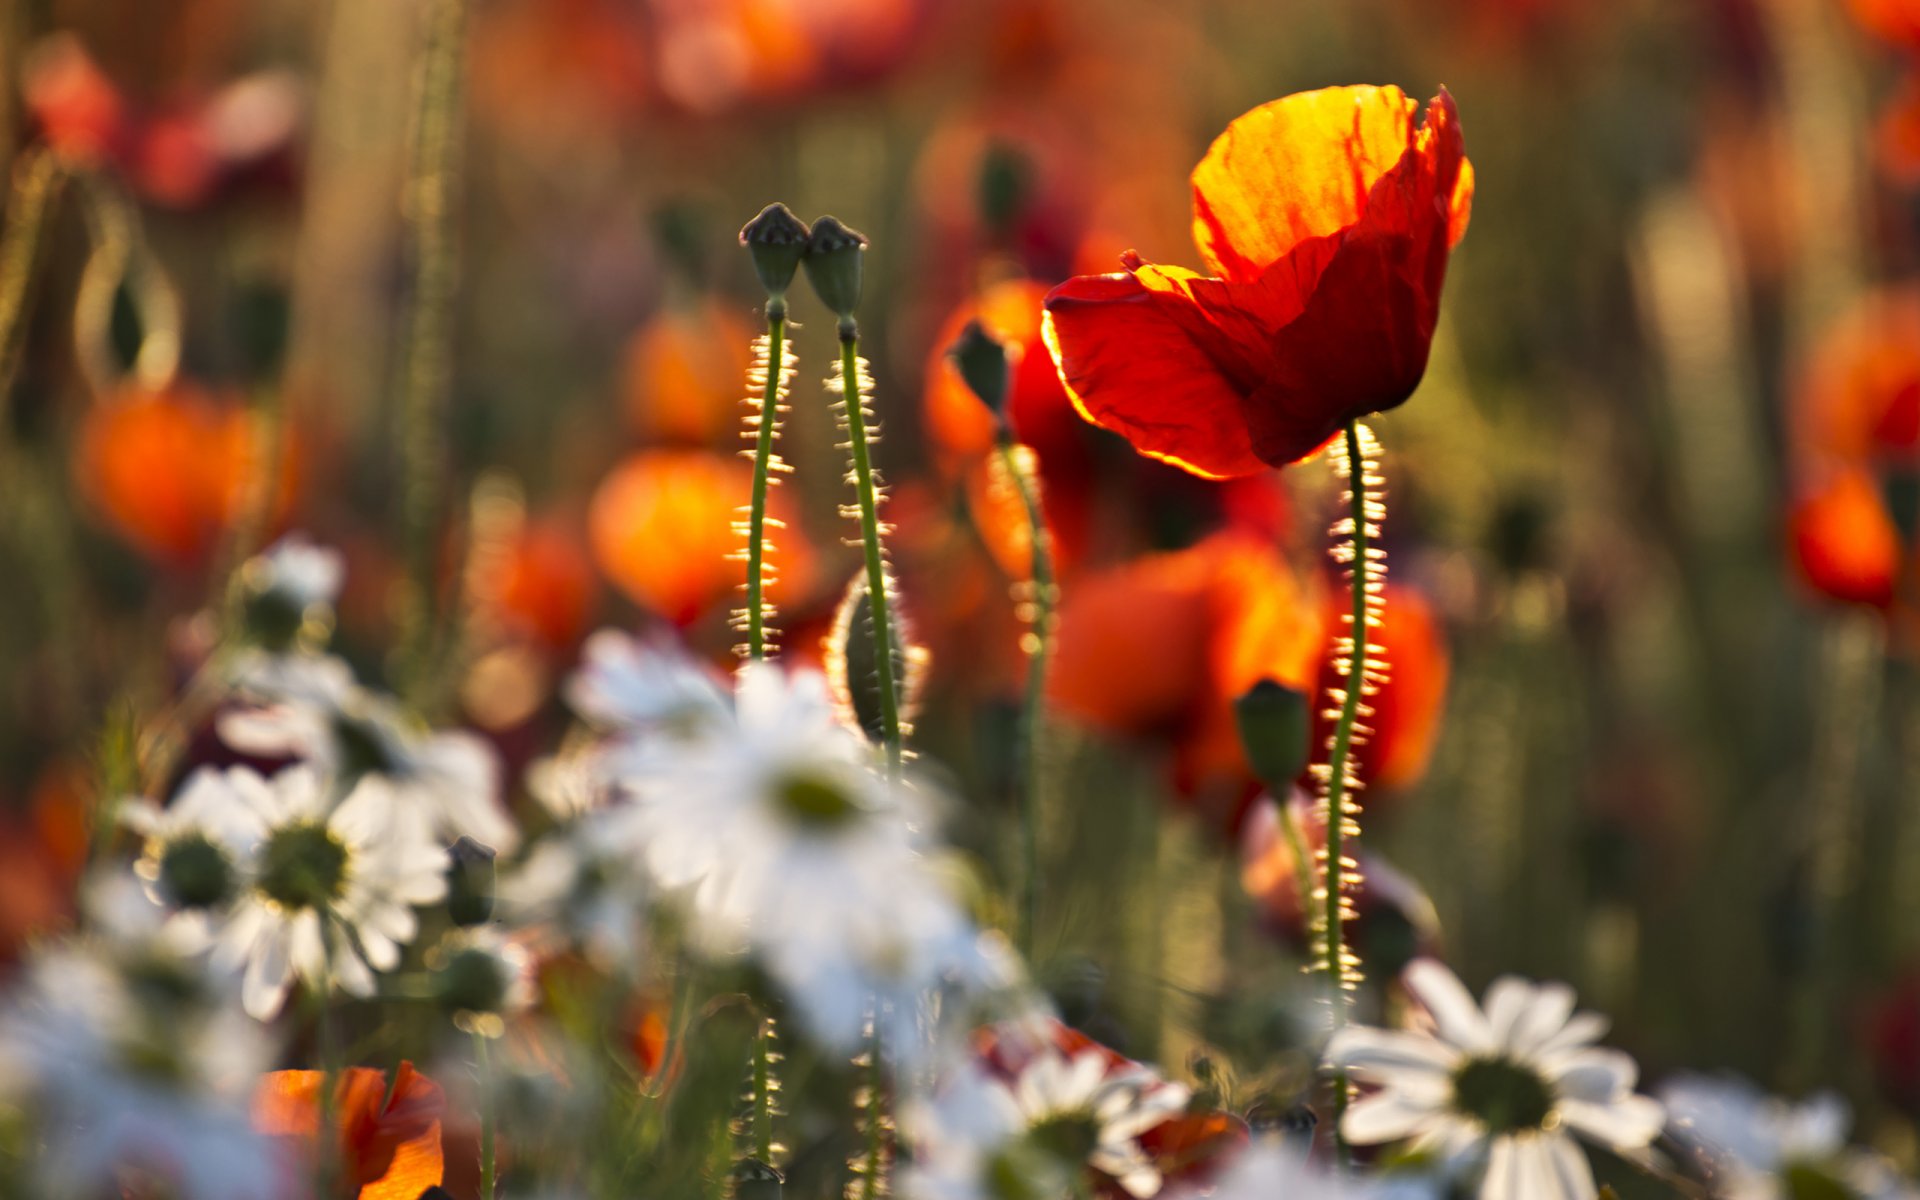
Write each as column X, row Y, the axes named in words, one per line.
column 330, row 889
column 196, row 848
column 1753, row 1146
column 1060, row 1117
column 309, row 707
column 131, row 1060
column 1505, row 1087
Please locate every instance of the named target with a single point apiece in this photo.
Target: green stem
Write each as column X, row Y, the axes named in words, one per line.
column 483, row 1065
column 879, row 603
column 432, row 189
column 762, row 468
column 1039, row 645
column 873, row 1166
column 327, row 1049
column 763, row 1092
column 1334, row 951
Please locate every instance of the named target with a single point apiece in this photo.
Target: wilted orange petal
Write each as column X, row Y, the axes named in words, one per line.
column 1844, row 542
column 1858, row 399
column 417, row 1165
column 1296, row 168
column 545, row 586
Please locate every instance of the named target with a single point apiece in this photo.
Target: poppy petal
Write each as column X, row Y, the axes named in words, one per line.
column 1130, row 364
column 1296, row 168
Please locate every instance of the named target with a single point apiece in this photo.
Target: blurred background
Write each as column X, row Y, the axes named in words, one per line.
column 1654, row 722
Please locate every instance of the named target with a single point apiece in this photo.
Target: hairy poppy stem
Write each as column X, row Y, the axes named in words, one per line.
column 483, row 1067
column 872, row 1168
column 879, row 595
column 1037, row 609
column 763, row 1089
column 1341, row 815
column 766, row 425
column 427, row 374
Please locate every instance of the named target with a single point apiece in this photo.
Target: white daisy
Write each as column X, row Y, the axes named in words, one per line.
column 196, row 848
column 305, row 574
column 1273, row 1172
column 330, row 890
column 783, row 838
column 309, row 707
column 575, row 887
column 625, row 684
column 1506, row 1087
column 129, row 1058
column 1757, row 1147
column 982, row 1136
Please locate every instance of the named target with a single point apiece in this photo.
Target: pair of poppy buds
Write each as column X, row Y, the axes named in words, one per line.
column 781, row 242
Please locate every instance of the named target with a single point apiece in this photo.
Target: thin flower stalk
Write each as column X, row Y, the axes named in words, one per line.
column 426, row 382
column 762, row 429
column 853, row 386
column 871, row 1172
column 765, row 1096
column 483, row 1067
column 1036, row 601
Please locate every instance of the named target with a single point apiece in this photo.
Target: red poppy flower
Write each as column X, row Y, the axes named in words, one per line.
column 389, row 1142
column 1844, row 542
column 1327, row 218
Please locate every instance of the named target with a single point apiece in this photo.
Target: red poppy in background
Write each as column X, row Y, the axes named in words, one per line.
column 1219, row 617
column 662, row 530
column 1856, row 415
column 686, row 373
column 543, row 586
column 171, row 470
column 389, row 1143
column 1327, row 218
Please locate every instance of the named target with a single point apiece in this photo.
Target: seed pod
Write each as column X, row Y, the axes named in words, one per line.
column 777, row 240
column 834, row 257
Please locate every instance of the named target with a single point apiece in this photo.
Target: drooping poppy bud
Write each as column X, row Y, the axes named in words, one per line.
column 834, row 257
column 470, row 878
column 777, row 240
column 981, row 360
column 1274, row 723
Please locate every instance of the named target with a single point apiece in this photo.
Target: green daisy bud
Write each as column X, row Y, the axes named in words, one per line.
column 472, row 980
column 981, row 360
column 777, row 240
column 834, row 257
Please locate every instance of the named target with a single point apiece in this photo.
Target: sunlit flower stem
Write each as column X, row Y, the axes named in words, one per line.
column 483, row 1067
column 426, row 382
column 1338, row 872
column 1037, row 609
column 775, row 362
column 853, row 411
column 870, row 1172
column 764, row 1089
column 327, row 1051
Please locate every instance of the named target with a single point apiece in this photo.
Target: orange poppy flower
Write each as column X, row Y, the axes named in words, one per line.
column 686, row 373
column 389, row 1145
column 1158, row 649
column 544, row 586
column 1406, row 710
column 1844, row 542
column 170, row 470
column 1327, row 218
column 1858, row 400
column 1896, row 22
column 661, row 528
column 1897, row 136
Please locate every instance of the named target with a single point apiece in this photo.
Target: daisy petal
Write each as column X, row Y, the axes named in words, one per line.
column 1456, row 1017
column 1385, row 1117
column 1626, row 1124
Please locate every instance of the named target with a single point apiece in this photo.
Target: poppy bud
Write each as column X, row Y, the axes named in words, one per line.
column 981, row 360
column 470, row 882
column 472, row 980
column 777, row 239
column 834, row 257
column 1274, row 724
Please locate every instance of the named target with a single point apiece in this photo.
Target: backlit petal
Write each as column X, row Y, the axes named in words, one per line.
column 1130, row 366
